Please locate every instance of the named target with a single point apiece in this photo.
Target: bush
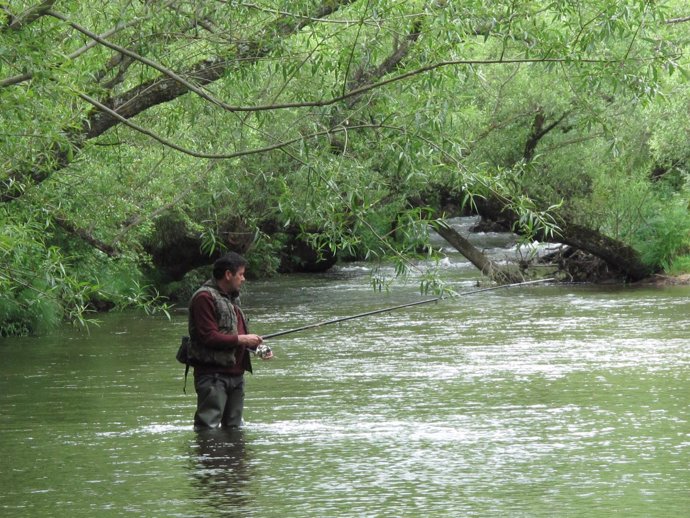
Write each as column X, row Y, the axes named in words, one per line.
column 665, row 238
column 28, row 314
column 680, row 265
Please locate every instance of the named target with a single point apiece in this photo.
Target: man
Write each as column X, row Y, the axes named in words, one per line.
column 220, row 344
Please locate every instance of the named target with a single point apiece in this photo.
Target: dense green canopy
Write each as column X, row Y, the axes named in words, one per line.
column 157, row 133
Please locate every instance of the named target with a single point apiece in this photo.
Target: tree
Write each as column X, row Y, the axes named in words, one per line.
column 238, row 124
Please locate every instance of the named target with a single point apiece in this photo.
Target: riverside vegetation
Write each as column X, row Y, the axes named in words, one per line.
column 139, row 140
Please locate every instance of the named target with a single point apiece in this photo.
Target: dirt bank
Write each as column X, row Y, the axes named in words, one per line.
column 667, row 280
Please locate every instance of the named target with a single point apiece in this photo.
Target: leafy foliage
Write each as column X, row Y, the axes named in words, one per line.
column 664, row 239
column 347, row 124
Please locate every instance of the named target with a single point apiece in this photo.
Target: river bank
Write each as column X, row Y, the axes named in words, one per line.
column 667, row 280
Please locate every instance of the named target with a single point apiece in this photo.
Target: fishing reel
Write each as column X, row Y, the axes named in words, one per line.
column 264, row 352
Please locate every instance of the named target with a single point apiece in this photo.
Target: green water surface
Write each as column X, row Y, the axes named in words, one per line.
column 534, row 401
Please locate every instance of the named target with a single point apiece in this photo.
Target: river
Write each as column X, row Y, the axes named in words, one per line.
column 542, row 400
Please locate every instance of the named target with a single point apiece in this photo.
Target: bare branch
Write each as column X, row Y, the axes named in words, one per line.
column 678, row 20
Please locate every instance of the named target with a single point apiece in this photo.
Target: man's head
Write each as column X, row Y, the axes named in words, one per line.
column 229, row 272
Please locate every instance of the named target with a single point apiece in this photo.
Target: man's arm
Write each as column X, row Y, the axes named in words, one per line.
column 203, row 312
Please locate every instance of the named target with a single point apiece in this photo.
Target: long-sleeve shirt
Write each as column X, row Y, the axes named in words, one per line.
column 203, row 312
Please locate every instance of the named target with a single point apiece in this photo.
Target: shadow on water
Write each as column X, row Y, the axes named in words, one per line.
column 221, row 470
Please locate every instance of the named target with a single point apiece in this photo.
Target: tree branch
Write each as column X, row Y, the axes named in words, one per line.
column 216, row 156
column 171, row 85
column 85, row 235
column 365, row 77
column 14, row 191
column 28, row 16
column 20, row 78
column 678, row 20
column 538, row 132
column 143, row 97
column 119, row 62
column 197, row 72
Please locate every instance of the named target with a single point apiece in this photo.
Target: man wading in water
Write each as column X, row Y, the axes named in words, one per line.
column 220, row 344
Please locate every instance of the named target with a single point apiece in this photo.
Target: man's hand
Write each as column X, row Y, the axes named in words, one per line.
column 251, row 341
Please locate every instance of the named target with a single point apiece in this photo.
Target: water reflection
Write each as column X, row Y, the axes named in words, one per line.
column 221, row 470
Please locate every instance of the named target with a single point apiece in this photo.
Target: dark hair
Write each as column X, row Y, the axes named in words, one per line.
column 231, row 261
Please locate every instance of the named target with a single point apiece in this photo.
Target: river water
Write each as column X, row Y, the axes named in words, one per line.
column 542, row 400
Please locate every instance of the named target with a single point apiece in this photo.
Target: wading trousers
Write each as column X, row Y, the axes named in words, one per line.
column 219, row 401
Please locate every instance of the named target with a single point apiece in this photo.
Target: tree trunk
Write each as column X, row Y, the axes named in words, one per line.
column 467, row 249
column 478, row 258
column 617, row 255
column 470, row 252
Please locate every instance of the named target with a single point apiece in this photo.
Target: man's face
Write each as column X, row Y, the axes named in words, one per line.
column 235, row 281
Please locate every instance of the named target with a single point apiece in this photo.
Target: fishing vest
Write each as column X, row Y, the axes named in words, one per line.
column 200, row 355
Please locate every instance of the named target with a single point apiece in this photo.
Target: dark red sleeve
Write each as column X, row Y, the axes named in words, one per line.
column 203, row 313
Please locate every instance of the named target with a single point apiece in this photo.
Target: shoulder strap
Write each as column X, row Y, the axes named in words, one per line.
column 186, row 371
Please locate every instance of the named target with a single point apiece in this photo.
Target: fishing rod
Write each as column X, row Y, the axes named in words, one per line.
column 393, row 308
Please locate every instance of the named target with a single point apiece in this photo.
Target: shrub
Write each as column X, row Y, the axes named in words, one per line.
column 665, row 238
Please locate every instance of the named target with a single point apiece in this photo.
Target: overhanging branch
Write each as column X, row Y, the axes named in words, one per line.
column 27, row 17
column 190, row 87
column 26, row 76
column 219, row 156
